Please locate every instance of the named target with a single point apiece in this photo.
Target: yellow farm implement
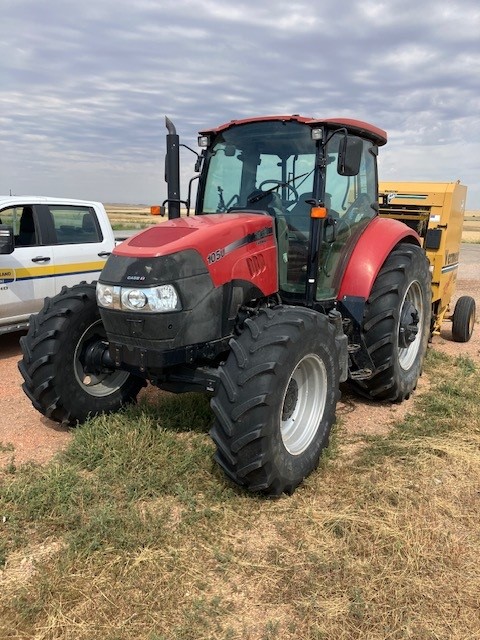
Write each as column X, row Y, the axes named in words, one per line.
column 435, row 210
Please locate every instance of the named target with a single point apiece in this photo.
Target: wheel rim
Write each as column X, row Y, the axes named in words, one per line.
column 303, row 404
column 410, row 331
column 471, row 323
column 98, row 385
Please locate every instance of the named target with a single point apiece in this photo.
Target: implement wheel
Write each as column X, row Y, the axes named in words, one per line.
column 396, row 324
column 463, row 319
column 276, row 403
column 58, row 380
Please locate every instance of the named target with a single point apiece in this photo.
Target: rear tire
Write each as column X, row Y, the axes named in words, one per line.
column 276, row 403
column 396, row 324
column 463, row 319
column 53, row 366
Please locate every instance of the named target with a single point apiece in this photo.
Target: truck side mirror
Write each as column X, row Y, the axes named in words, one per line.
column 7, row 243
column 349, row 156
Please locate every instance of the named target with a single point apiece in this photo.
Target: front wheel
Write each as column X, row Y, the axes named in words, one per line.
column 57, row 378
column 396, row 324
column 276, row 403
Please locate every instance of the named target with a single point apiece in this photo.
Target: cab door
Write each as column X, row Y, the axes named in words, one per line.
column 27, row 274
column 351, row 202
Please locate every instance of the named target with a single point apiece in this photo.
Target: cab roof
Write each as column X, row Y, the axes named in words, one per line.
column 364, row 129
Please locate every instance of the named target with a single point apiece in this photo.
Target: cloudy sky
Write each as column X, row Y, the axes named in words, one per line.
column 85, row 85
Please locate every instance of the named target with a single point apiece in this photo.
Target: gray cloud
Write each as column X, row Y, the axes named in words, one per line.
column 85, row 86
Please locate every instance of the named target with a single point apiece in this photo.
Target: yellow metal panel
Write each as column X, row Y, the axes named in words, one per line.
column 426, row 207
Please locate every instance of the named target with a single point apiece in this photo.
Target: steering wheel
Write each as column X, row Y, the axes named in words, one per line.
column 279, row 183
column 357, row 207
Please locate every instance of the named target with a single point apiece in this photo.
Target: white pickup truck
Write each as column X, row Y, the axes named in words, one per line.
column 46, row 243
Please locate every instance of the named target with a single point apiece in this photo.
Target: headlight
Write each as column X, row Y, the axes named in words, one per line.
column 133, row 299
column 159, row 299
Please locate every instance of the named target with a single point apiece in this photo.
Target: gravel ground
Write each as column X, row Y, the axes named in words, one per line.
column 35, row 438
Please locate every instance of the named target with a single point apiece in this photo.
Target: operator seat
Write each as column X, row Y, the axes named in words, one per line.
column 26, row 236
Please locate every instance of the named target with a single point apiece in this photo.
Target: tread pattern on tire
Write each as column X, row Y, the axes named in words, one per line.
column 43, row 364
column 380, row 324
column 241, row 432
column 463, row 319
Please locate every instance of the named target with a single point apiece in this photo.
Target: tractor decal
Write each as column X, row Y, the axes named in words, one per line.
column 257, row 236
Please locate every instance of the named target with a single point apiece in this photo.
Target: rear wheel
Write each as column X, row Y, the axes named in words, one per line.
column 55, row 365
column 276, row 403
column 463, row 319
column 396, row 324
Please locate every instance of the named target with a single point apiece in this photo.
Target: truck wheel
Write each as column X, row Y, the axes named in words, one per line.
column 396, row 324
column 53, row 364
column 276, row 402
column 463, row 319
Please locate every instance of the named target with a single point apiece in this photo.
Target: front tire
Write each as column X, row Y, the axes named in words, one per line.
column 53, row 364
column 396, row 324
column 276, row 403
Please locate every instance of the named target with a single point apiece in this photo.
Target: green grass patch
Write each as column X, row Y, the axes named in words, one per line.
column 134, row 533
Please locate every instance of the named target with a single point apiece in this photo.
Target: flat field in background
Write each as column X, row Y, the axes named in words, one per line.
column 124, row 216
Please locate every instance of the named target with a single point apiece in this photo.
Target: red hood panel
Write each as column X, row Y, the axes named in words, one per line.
column 233, row 246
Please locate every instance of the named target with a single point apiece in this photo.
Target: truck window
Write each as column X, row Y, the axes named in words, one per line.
column 74, row 224
column 23, row 223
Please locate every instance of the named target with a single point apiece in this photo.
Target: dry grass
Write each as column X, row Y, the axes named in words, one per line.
column 471, row 227
column 139, row 535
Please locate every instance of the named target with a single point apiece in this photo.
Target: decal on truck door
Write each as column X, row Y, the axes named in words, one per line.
column 7, row 276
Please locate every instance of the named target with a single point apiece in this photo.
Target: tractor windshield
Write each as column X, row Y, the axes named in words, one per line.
column 260, row 165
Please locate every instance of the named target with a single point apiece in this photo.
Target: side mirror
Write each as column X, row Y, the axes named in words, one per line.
column 7, row 243
column 350, row 156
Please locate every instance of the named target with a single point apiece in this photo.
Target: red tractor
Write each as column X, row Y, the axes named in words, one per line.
column 284, row 284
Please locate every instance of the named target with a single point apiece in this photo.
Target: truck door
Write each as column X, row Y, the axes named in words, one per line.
column 79, row 247
column 26, row 275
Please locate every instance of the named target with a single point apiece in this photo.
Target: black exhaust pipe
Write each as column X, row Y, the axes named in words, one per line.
column 172, row 170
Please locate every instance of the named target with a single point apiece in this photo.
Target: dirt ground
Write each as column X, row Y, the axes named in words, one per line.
column 25, row 435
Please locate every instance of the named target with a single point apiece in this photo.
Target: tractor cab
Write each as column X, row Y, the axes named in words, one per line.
column 317, row 178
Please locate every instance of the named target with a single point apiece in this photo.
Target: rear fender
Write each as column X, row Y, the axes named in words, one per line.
column 369, row 254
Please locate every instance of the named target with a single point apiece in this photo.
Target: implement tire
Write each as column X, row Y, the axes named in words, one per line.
column 52, row 364
column 463, row 319
column 396, row 324
column 276, row 402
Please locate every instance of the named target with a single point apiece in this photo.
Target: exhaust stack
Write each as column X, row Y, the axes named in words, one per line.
column 172, row 170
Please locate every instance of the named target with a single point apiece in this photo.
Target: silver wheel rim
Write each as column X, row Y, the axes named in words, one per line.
column 303, row 404
column 100, row 385
column 414, row 296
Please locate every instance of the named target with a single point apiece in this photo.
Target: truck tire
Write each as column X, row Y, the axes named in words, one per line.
column 276, row 402
column 396, row 324
column 463, row 319
column 52, row 365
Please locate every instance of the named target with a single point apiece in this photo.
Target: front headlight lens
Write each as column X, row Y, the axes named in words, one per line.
column 106, row 295
column 134, row 299
column 159, row 299
column 164, row 298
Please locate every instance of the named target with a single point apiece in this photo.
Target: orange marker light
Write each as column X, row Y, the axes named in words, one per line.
column 318, row 212
column 157, row 210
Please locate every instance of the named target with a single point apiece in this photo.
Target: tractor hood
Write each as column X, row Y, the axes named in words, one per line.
column 228, row 246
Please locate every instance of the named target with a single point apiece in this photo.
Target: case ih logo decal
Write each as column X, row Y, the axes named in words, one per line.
column 259, row 237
